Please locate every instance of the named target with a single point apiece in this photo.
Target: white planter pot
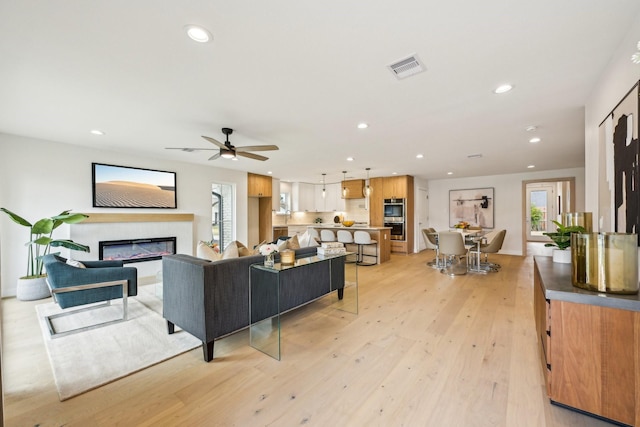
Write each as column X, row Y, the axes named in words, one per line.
column 562, row 256
column 32, row 289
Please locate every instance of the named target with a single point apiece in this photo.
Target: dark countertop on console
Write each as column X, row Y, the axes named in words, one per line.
column 556, row 280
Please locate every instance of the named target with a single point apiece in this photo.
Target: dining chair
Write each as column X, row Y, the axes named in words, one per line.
column 452, row 247
column 430, row 236
column 493, row 245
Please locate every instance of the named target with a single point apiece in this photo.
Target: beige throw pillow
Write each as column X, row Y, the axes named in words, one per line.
column 293, row 243
column 74, row 263
column 204, row 251
column 231, row 251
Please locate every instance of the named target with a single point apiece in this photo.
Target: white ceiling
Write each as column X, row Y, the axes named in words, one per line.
column 303, row 74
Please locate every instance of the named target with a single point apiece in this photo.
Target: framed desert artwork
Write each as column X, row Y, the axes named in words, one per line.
column 128, row 187
column 474, row 206
column 619, row 171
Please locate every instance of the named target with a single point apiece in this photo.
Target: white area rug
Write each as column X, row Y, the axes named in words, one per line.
column 89, row 359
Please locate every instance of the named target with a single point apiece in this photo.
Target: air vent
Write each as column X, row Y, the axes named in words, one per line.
column 406, row 67
column 474, row 156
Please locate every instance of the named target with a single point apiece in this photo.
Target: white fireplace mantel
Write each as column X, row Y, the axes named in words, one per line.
column 119, row 226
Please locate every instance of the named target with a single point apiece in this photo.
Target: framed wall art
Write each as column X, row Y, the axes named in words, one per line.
column 619, row 170
column 474, row 206
column 128, row 187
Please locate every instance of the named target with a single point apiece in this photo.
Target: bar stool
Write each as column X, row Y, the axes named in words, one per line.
column 362, row 239
column 452, row 246
column 327, row 236
column 345, row 237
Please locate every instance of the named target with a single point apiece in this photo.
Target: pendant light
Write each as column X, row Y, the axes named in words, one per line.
column 345, row 191
column 324, row 189
column 367, row 189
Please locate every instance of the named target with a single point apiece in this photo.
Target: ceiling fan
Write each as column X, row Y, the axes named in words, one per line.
column 229, row 151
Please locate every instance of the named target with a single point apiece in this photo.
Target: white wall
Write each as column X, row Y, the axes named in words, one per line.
column 42, row 178
column 617, row 79
column 508, row 200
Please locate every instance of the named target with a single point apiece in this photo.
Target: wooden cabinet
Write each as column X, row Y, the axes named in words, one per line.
column 589, row 352
column 376, row 201
column 259, row 185
column 280, row 232
column 275, row 194
column 384, row 241
column 399, row 187
column 354, row 189
column 396, row 187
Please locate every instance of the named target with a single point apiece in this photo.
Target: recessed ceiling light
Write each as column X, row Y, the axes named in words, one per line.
column 394, row 173
column 531, row 166
column 270, row 173
column 362, row 125
column 503, row 88
column 531, row 128
column 535, row 140
column 199, row 34
column 350, row 159
column 449, row 173
column 97, row 132
column 419, row 156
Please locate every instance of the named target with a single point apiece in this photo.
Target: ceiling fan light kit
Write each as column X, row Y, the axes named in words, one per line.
column 228, row 151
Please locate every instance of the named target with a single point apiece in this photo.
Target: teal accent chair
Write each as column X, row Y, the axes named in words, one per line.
column 89, row 283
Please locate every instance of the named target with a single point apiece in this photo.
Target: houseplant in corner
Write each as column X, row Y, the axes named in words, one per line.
column 561, row 240
column 33, row 285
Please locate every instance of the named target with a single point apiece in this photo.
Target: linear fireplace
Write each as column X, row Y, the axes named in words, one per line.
column 137, row 250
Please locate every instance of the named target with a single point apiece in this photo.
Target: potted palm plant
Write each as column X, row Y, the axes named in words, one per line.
column 561, row 240
column 32, row 285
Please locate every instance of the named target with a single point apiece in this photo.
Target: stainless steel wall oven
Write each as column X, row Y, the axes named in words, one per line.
column 395, row 217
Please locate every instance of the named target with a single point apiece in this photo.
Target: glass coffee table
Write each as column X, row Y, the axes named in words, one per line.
column 272, row 292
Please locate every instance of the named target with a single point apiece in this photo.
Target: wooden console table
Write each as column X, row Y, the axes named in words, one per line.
column 589, row 345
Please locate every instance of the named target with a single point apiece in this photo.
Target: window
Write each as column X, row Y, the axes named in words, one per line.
column 222, row 214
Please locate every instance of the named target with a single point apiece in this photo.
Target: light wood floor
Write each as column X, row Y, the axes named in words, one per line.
column 425, row 350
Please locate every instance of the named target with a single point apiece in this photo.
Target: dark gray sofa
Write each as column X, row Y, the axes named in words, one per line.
column 211, row 299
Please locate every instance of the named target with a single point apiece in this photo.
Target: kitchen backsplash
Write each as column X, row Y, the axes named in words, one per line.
column 355, row 211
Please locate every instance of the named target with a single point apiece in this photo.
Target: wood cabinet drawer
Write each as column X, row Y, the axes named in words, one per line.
column 398, row 246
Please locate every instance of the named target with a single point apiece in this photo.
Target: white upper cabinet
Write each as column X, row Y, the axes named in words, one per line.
column 333, row 202
column 303, row 197
column 308, row 197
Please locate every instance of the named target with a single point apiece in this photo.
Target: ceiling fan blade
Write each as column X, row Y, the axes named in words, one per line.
column 251, row 156
column 213, row 141
column 215, row 156
column 188, row 149
column 257, row 148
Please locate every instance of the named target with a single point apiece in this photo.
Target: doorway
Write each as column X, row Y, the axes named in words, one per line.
column 543, row 202
column 422, row 206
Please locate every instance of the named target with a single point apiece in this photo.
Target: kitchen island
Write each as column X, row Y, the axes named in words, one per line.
column 380, row 234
